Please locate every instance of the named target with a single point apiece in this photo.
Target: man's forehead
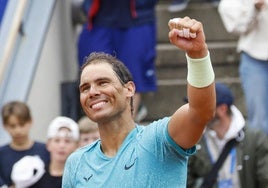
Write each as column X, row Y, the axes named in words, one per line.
column 97, row 71
column 99, row 66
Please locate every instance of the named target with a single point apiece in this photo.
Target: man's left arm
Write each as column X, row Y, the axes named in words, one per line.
column 188, row 122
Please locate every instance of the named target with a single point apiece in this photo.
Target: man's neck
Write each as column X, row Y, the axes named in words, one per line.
column 113, row 135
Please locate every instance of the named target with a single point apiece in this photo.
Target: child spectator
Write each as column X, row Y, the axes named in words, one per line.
column 63, row 137
column 17, row 120
column 89, row 131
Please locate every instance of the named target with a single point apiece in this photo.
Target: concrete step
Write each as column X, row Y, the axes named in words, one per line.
column 169, row 96
column 220, row 52
column 222, row 71
column 203, row 12
column 221, row 44
column 171, row 62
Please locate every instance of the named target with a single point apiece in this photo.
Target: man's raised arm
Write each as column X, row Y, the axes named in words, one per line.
column 188, row 122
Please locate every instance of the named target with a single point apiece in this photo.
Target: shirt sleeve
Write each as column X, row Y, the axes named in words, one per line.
column 156, row 139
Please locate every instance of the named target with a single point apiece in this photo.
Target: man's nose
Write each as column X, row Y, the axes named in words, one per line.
column 94, row 90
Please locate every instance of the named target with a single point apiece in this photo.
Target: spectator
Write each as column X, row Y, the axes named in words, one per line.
column 17, row 120
column 246, row 164
column 126, row 29
column 249, row 20
column 131, row 155
column 89, row 131
column 63, row 137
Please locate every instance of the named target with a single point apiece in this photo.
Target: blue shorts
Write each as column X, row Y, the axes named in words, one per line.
column 134, row 46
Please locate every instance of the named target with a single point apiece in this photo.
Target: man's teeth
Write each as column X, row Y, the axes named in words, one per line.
column 97, row 105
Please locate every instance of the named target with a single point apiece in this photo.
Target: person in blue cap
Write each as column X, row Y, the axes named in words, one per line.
column 246, row 165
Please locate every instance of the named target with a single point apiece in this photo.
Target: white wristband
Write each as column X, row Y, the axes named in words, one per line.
column 200, row 71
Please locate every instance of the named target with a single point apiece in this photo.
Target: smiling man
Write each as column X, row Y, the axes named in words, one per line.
column 130, row 155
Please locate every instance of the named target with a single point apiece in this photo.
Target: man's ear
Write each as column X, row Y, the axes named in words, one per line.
column 131, row 88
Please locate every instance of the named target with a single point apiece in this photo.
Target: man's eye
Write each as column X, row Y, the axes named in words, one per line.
column 103, row 83
column 84, row 89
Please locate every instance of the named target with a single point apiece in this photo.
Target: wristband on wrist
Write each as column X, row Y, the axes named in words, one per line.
column 200, row 72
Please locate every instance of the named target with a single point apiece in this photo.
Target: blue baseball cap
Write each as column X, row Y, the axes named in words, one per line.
column 223, row 94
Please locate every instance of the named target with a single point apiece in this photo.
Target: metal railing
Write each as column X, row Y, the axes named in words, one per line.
column 9, row 32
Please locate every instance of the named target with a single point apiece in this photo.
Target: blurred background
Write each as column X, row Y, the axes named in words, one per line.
column 38, row 59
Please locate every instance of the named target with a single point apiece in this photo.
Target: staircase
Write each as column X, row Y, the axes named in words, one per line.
column 171, row 63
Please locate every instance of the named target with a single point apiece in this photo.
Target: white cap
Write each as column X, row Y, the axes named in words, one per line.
column 27, row 171
column 63, row 122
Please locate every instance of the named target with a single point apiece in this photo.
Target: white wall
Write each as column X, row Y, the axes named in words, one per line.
column 57, row 64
